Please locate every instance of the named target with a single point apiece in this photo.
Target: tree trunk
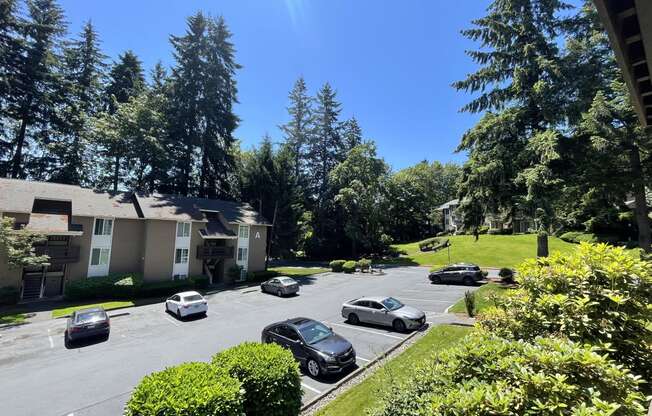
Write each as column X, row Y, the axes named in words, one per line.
column 116, row 173
column 641, row 209
column 542, row 244
column 270, row 237
column 17, row 160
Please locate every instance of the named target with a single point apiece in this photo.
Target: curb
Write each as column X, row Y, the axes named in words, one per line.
column 357, row 372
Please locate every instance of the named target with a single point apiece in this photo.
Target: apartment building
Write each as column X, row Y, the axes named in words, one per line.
column 91, row 233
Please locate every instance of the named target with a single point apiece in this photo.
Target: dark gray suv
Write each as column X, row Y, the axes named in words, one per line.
column 468, row 274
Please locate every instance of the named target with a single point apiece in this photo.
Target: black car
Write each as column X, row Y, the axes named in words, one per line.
column 468, row 274
column 88, row 323
column 313, row 344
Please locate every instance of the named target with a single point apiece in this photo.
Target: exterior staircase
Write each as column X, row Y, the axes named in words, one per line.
column 31, row 288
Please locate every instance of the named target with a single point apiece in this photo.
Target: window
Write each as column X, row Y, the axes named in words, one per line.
column 288, row 333
column 181, row 256
column 243, row 252
column 183, row 229
column 376, row 305
column 103, row 226
column 243, row 231
column 100, row 256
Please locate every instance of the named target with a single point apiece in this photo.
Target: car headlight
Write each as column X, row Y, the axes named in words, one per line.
column 328, row 358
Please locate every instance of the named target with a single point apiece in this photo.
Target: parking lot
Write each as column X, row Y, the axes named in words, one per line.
column 43, row 377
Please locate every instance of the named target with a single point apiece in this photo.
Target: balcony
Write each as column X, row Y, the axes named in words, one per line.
column 219, row 252
column 59, row 254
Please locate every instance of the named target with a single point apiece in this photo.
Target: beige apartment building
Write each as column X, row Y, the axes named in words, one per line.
column 91, row 233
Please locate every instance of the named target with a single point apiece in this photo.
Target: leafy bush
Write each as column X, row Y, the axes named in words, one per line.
column 469, row 302
column 599, row 294
column 261, row 276
column 269, row 375
column 164, row 288
column 9, row 295
column 364, row 265
column 234, row 271
column 506, row 274
column 117, row 286
column 200, row 282
column 578, row 237
column 487, row 375
column 336, row 265
column 191, row 389
column 433, row 244
column 349, row 266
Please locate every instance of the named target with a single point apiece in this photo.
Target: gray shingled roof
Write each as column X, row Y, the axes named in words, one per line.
column 181, row 208
column 18, row 196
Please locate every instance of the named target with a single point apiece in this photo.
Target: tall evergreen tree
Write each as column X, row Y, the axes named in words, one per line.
column 299, row 128
column 83, row 73
column 33, row 91
column 351, row 134
column 126, row 80
column 10, row 48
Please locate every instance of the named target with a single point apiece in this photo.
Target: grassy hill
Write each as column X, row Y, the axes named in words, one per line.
column 488, row 251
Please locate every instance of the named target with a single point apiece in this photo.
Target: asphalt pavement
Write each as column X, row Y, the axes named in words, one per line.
column 39, row 375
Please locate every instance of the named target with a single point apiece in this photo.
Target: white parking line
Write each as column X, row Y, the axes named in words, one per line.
column 167, row 318
column 305, row 386
column 426, row 300
column 367, row 330
column 50, row 338
column 363, row 359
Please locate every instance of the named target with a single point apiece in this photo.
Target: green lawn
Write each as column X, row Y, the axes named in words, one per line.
column 483, row 297
column 13, row 319
column 57, row 313
column 489, row 251
column 298, row 271
column 354, row 401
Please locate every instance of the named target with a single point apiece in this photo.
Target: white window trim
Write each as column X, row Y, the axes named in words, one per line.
column 183, row 224
column 101, row 241
column 180, row 269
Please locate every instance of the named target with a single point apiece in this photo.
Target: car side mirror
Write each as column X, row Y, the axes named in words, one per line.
column 331, row 328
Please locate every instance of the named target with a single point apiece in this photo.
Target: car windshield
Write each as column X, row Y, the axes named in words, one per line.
column 392, row 304
column 86, row 317
column 288, row 281
column 192, row 298
column 315, row 332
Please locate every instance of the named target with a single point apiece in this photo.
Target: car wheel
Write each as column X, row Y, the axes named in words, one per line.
column 167, row 308
column 436, row 279
column 279, row 293
column 398, row 325
column 178, row 313
column 313, row 368
column 353, row 319
column 268, row 340
column 468, row 281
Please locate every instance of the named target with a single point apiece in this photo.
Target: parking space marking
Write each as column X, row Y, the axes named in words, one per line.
column 312, row 389
column 167, row 318
column 50, row 339
column 363, row 359
column 426, row 300
column 366, row 330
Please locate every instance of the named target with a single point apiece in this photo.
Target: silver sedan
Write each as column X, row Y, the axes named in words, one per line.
column 280, row 286
column 383, row 310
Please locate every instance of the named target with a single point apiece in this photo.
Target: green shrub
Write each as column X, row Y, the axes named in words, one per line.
column 200, row 282
column 599, row 294
column 261, row 276
column 578, row 237
column 269, row 375
column 488, row 375
column 164, row 288
column 191, row 389
column 428, row 243
column 506, row 274
column 364, row 265
column 469, row 303
column 349, row 266
column 117, row 286
column 234, row 272
column 336, row 265
column 9, row 295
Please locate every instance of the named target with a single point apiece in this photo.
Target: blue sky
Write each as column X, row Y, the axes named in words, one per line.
column 391, row 62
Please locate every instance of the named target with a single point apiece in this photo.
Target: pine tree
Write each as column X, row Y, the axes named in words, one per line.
column 81, row 85
column 351, row 134
column 33, row 90
column 299, row 128
column 126, row 80
column 10, row 48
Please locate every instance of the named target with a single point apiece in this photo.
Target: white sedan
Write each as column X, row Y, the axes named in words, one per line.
column 186, row 303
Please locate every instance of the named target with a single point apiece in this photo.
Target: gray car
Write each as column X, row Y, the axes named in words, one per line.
column 88, row 323
column 383, row 310
column 466, row 273
column 280, row 286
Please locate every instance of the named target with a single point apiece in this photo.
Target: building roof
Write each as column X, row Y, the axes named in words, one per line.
column 215, row 230
column 448, row 204
column 182, row 208
column 18, row 196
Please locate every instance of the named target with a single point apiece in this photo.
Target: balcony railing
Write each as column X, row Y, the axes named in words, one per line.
column 59, row 255
column 219, row 252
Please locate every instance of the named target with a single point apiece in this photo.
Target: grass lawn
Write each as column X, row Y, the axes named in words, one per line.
column 489, row 251
column 299, row 271
column 354, row 401
column 13, row 319
column 57, row 313
column 483, row 297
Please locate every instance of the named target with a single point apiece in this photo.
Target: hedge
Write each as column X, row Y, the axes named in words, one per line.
column 128, row 286
column 9, row 295
column 578, row 237
column 164, row 288
column 269, row 375
column 191, row 389
column 364, row 265
column 261, row 275
column 349, row 266
column 433, row 244
column 488, row 375
column 336, row 265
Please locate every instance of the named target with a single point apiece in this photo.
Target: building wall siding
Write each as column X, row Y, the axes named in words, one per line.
column 195, row 264
column 159, row 250
column 79, row 270
column 257, row 247
column 127, row 246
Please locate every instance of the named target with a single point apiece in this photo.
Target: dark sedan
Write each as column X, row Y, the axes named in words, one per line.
column 468, row 274
column 88, row 323
column 313, row 344
column 280, row 286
